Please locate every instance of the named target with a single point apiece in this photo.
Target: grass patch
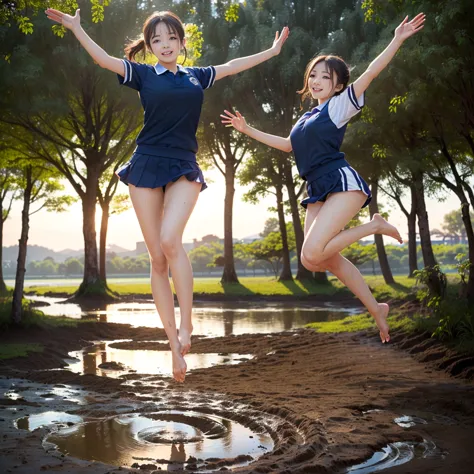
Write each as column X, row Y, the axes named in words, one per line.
column 42, row 290
column 10, row 351
column 403, row 288
column 31, row 317
column 364, row 322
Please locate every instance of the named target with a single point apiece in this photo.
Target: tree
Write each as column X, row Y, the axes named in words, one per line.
column 110, row 203
column 265, row 172
column 271, row 250
column 39, row 183
column 453, row 225
column 271, row 225
column 82, row 125
column 8, row 192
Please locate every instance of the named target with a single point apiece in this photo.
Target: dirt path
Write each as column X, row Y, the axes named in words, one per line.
column 338, row 394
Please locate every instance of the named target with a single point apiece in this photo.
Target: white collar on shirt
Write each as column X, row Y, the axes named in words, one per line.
column 160, row 69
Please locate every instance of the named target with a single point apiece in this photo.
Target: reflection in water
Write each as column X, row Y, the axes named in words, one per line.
column 141, row 361
column 215, row 320
column 161, row 438
column 47, row 418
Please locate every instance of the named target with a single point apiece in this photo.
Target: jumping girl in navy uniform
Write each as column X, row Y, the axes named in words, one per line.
column 165, row 157
column 316, row 140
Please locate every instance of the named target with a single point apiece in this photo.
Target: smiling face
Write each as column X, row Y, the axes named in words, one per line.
column 166, row 44
column 325, row 76
column 320, row 84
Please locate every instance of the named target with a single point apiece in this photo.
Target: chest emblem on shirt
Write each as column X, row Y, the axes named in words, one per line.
column 194, row 81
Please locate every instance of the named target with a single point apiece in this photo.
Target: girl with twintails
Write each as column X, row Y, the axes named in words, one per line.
column 336, row 192
column 163, row 176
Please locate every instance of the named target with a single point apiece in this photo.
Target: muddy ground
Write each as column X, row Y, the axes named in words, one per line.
column 332, row 398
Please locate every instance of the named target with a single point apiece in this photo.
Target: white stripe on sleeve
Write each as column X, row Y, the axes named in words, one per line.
column 125, row 66
column 212, row 78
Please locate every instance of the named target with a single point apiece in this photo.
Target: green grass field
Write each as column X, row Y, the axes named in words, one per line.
column 265, row 286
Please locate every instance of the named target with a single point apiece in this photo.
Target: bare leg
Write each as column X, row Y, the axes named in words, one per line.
column 148, row 205
column 348, row 274
column 326, row 238
column 180, row 199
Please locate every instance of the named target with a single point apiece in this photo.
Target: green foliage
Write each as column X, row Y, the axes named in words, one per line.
column 194, row 42
column 434, row 293
column 206, row 256
column 454, row 315
column 17, row 12
column 359, row 254
column 396, row 101
column 464, row 267
column 232, row 13
column 456, row 320
column 24, row 25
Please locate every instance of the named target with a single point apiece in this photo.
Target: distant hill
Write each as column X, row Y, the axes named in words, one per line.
column 37, row 252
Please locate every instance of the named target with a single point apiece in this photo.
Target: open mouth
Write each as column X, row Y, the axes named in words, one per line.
column 167, row 53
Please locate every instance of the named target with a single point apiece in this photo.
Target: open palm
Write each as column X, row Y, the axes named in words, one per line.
column 406, row 29
column 236, row 121
column 280, row 39
column 68, row 21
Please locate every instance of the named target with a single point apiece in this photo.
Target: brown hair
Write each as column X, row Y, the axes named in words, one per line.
column 335, row 64
column 173, row 23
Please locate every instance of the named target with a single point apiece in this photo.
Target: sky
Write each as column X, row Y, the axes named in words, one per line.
column 64, row 230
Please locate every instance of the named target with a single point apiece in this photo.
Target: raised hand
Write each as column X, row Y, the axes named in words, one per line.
column 68, row 21
column 280, row 40
column 236, row 121
column 406, row 29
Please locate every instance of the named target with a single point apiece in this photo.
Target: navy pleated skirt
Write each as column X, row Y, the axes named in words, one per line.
column 343, row 179
column 149, row 171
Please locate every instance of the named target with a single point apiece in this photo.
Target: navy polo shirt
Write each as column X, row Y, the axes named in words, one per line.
column 317, row 136
column 172, row 105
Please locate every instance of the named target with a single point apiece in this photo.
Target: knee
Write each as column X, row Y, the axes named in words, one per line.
column 311, row 267
column 170, row 245
column 312, row 255
column 158, row 262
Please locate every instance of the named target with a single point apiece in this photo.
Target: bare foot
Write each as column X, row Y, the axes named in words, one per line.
column 184, row 337
column 381, row 320
column 383, row 227
column 179, row 366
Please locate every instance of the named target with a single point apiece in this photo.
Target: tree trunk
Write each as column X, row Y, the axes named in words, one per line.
column 470, row 242
column 412, row 257
column 21, row 263
column 469, row 233
column 92, row 283
column 434, row 282
column 383, row 260
column 302, row 273
column 285, row 274
column 321, row 277
column 104, row 226
column 3, row 286
column 229, row 274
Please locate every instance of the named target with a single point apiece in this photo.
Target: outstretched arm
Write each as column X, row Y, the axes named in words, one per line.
column 239, row 123
column 73, row 23
column 403, row 31
column 241, row 64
